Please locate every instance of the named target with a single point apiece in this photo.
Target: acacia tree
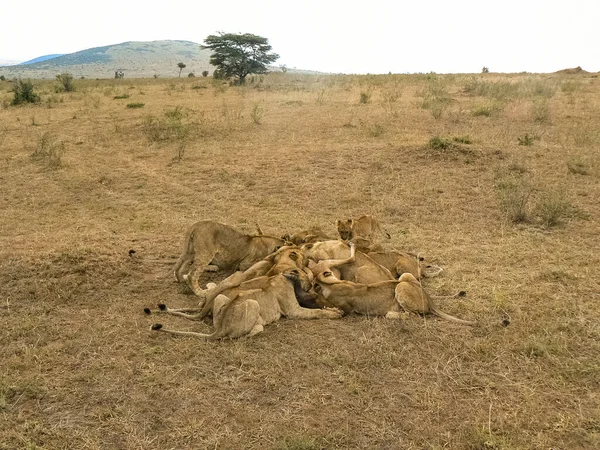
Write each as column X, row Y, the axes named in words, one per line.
column 238, row 55
column 181, row 67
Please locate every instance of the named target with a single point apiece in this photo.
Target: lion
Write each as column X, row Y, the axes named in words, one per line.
column 405, row 262
column 313, row 234
column 376, row 299
column 246, row 313
column 412, row 298
column 231, row 319
column 361, row 231
column 360, row 268
column 284, row 259
column 214, row 246
column 387, row 298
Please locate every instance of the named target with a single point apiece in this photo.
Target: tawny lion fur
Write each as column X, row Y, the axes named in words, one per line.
column 213, row 245
column 250, row 310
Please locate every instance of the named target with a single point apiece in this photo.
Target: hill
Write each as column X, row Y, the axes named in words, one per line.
column 136, row 59
column 42, row 58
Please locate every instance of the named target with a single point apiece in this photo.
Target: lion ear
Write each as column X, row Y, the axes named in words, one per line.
column 293, row 256
column 350, row 221
column 337, row 222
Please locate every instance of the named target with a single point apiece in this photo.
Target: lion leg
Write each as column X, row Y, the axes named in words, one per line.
column 397, row 315
column 182, row 266
column 306, row 314
column 186, row 313
column 159, row 327
column 258, row 328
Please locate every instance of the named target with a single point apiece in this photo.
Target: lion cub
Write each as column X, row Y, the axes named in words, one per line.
column 361, row 231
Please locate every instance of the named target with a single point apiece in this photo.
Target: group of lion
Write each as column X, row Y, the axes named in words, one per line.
column 305, row 275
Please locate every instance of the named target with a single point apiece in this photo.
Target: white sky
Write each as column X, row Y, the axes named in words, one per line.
column 375, row 36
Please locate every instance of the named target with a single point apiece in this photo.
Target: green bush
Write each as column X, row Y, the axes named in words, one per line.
column 205, row 73
column 24, row 93
column 135, row 105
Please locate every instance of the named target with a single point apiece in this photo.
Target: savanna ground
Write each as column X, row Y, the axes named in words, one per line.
column 495, row 177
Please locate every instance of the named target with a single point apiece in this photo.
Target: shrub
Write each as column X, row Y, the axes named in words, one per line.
column 48, row 151
column 514, row 195
column 365, row 97
column 462, row 139
column 120, row 97
column 169, row 127
column 540, row 111
column 488, row 110
column 526, row 139
column 205, row 73
column 66, row 82
column 2, row 78
column 191, row 75
column 135, row 105
column 439, row 143
column 579, row 166
column 553, row 208
column 376, row 130
column 24, row 93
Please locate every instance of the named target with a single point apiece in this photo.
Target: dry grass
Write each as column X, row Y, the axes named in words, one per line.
column 80, row 369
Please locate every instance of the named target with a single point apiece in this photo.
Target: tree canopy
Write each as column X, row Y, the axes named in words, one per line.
column 238, row 55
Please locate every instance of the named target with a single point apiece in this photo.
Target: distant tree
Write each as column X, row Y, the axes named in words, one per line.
column 283, row 68
column 238, row 55
column 119, row 73
column 205, row 73
column 181, row 67
column 191, row 75
column 66, row 82
column 485, row 70
column 2, row 78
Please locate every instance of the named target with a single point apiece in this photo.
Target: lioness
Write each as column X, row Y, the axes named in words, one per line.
column 313, row 234
column 386, row 298
column 360, row 269
column 364, row 229
column 251, row 309
column 213, row 245
column 287, row 258
column 405, row 262
column 376, row 299
column 411, row 296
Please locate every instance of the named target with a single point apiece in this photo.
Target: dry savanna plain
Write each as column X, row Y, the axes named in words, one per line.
column 494, row 177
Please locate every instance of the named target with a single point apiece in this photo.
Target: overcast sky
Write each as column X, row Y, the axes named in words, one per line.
column 375, row 36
